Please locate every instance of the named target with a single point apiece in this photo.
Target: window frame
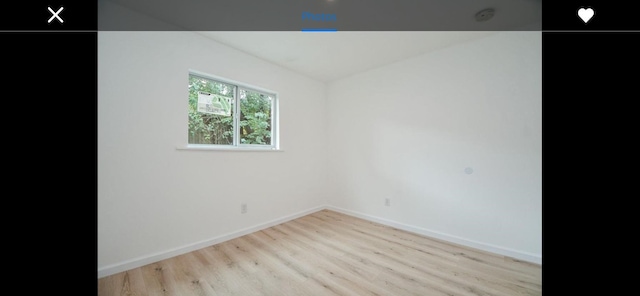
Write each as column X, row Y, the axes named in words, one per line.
column 237, row 145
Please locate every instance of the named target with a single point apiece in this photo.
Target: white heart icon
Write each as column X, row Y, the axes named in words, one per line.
column 585, row 14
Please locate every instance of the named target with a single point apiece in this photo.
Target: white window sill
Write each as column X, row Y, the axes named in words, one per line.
column 222, row 148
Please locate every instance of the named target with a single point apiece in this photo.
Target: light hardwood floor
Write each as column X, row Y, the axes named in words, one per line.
column 329, row 253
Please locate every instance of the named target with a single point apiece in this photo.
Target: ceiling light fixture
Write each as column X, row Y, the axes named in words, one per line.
column 485, row 15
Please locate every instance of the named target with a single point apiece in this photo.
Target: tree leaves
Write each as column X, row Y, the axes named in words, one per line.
column 255, row 118
column 255, row 115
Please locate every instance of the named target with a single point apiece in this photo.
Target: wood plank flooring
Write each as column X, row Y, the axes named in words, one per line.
column 329, row 253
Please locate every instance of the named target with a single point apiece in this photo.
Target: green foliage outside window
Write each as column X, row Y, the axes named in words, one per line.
column 255, row 118
column 255, row 115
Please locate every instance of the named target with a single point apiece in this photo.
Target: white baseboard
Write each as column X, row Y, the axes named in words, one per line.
column 144, row 260
column 524, row 256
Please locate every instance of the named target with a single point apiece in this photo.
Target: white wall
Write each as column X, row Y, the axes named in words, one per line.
column 407, row 132
column 153, row 198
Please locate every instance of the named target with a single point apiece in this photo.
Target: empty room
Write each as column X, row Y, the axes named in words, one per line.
column 295, row 163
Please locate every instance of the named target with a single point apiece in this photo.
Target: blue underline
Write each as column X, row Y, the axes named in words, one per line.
column 320, row 30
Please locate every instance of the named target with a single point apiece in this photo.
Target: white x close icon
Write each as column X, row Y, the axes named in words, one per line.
column 55, row 14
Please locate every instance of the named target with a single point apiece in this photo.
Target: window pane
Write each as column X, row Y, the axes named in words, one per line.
column 210, row 111
column 255, row 118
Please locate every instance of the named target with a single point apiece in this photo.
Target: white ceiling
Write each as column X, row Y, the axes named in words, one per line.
column 245, row 15
column 331, row 56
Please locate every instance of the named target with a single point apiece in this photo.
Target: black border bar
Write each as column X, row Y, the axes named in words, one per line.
column 341, row 15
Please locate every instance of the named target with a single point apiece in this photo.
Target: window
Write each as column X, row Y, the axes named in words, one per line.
column 225, row 114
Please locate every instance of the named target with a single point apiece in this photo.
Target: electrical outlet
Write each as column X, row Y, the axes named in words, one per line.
column 243, row 208
column 387, row 202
